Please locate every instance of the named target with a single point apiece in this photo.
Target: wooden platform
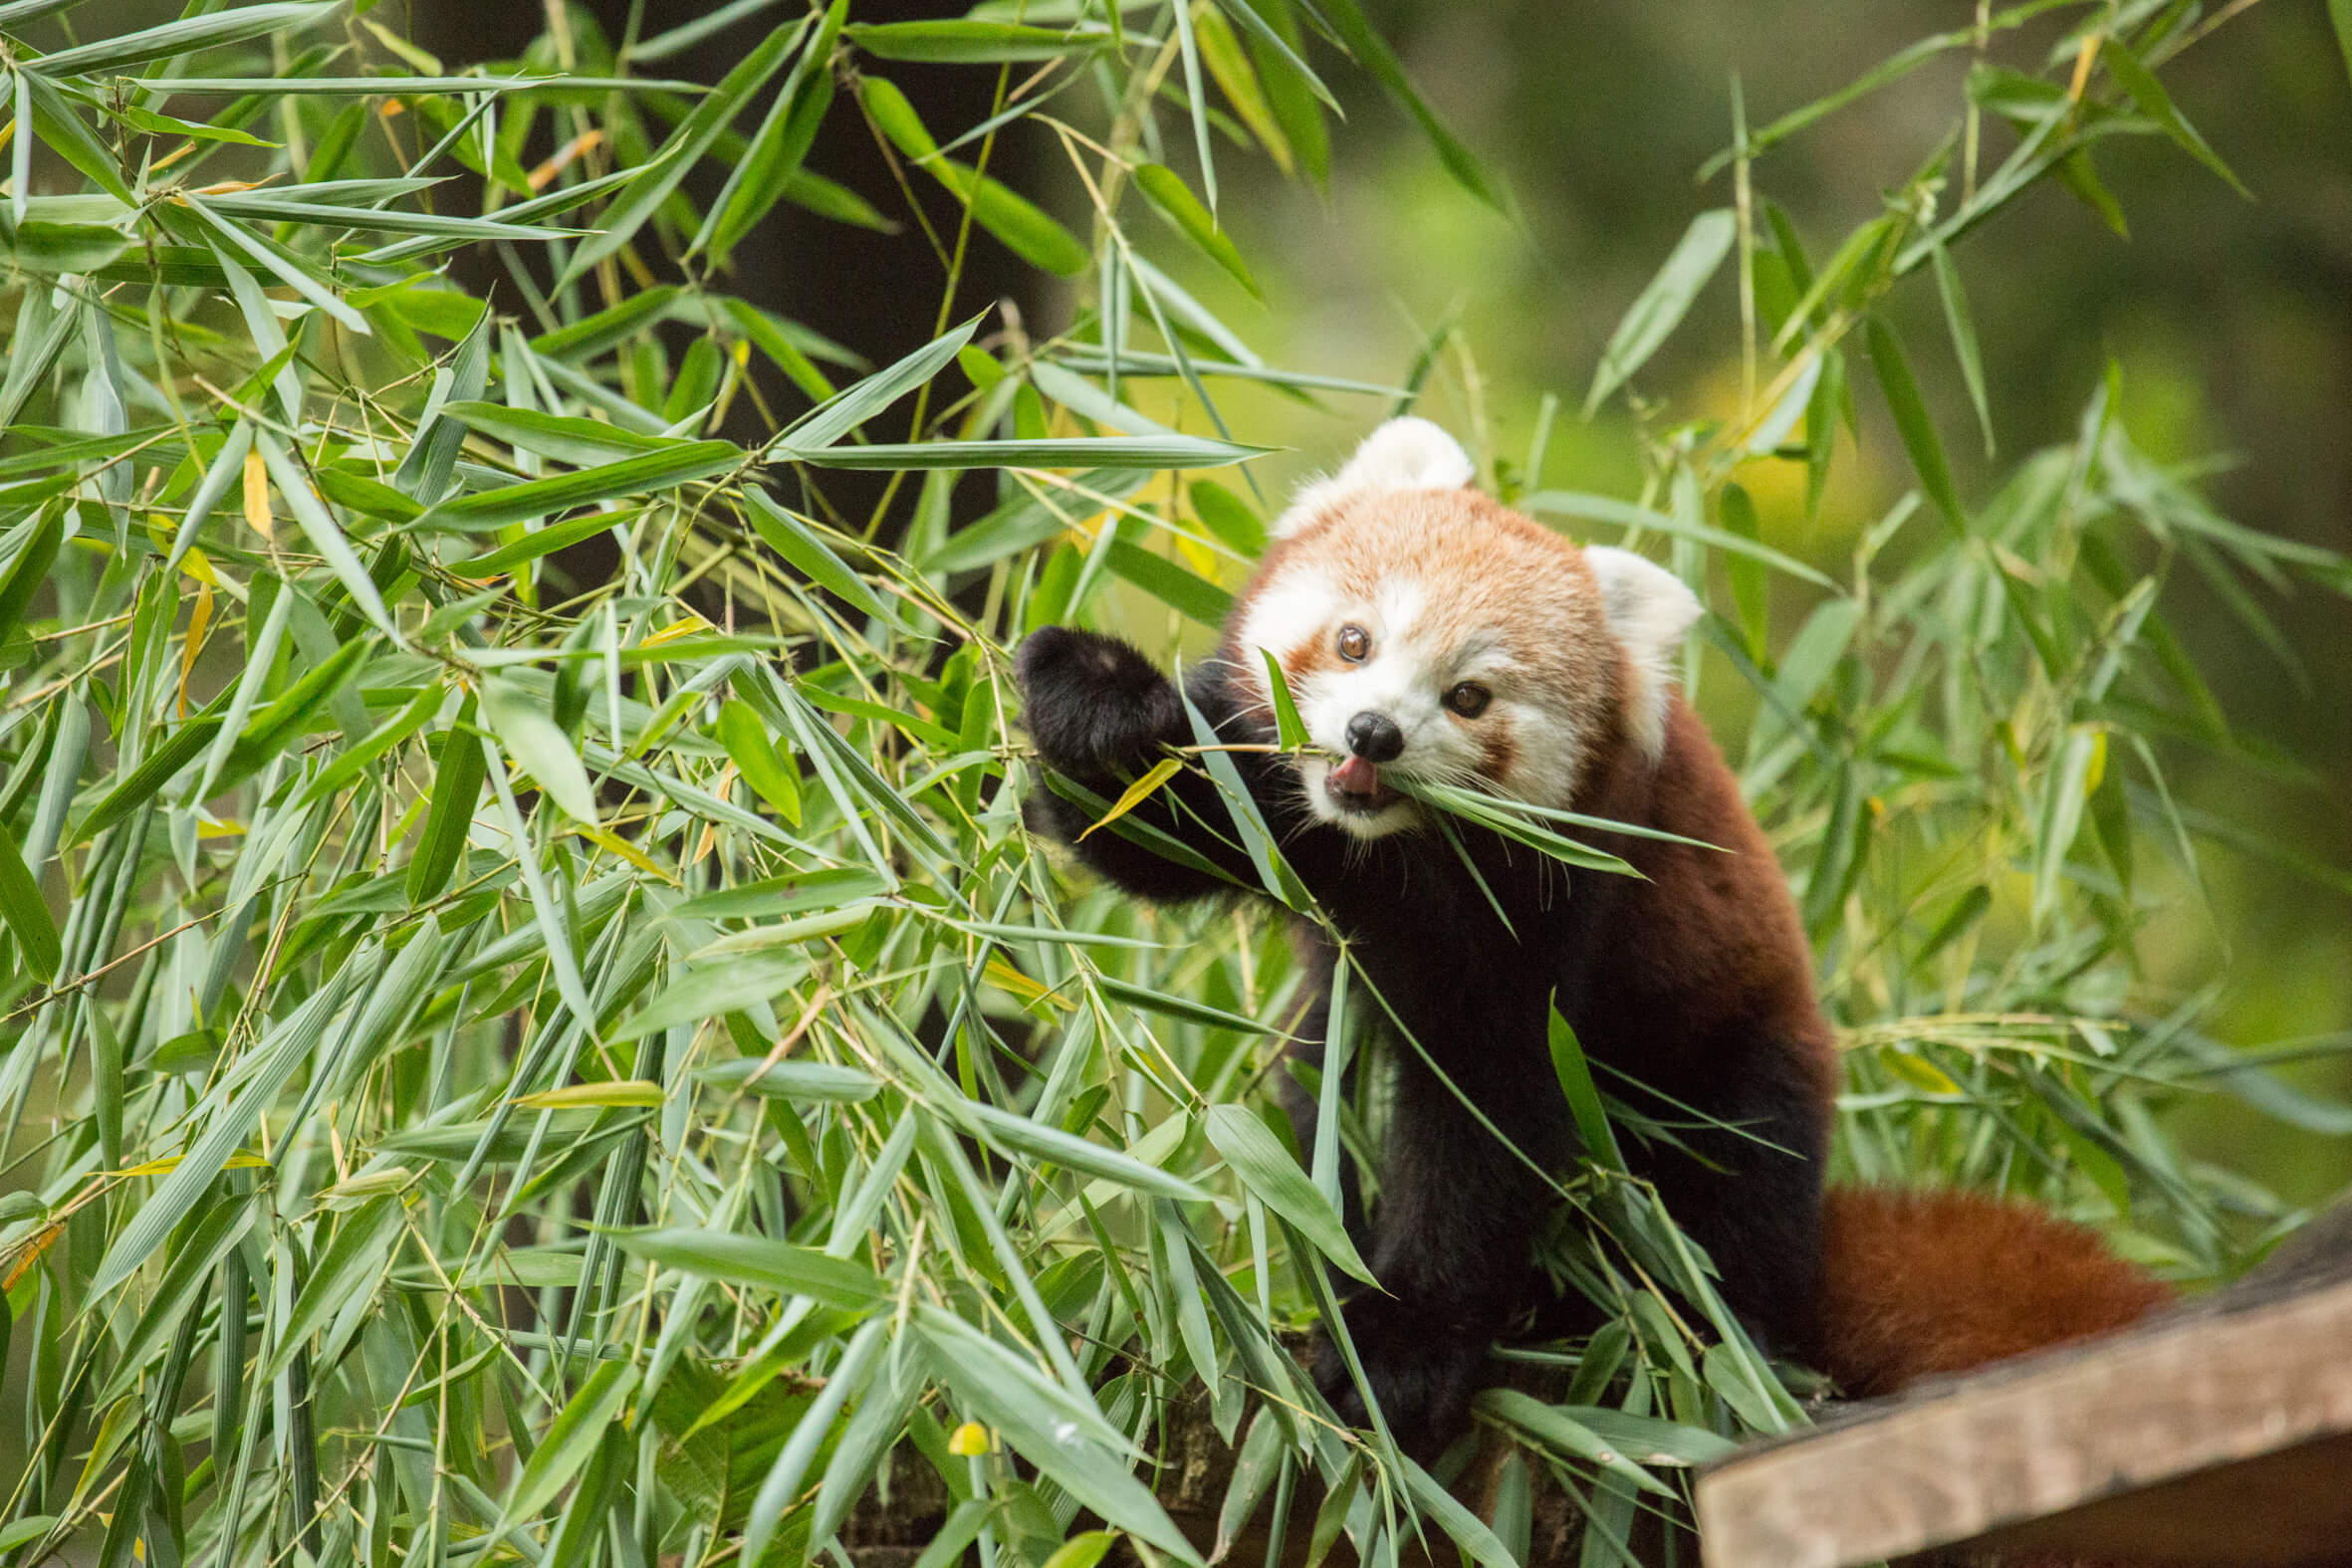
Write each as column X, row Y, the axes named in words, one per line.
column 2217, row 1434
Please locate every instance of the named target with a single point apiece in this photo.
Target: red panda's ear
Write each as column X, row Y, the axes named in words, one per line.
column 1403, row 454
column 1649, row 609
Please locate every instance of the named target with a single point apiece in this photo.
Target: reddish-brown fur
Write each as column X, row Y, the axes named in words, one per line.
column 1918, row 1284
column 1720, row 937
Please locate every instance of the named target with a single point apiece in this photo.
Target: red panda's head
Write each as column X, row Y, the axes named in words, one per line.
column 1427, row 631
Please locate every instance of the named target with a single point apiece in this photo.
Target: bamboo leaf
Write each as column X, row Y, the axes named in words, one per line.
column 758, row 1263
column 530, row 735
column 1661, row 306
column 1270, row 1171
column 1913, row 425
column 26, row 911
column 686, row 147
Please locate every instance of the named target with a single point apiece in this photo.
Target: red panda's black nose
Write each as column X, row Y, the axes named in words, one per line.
column 1376, row 738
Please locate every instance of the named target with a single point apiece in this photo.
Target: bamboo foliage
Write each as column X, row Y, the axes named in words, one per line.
column 497, row 1067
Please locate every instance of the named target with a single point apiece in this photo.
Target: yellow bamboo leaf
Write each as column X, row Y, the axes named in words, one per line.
column 1917, row 1071
column 197, row 565
column 627, row 850
column 627, row 1091
column 1005, row 977
column 199, row 623
column 257, row 494
column 1138, row 792
column 691, row 627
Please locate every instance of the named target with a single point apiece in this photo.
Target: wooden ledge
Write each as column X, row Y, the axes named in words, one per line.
column 2217, row 1434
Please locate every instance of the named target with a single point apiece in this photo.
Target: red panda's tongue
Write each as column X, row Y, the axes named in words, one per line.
column 1356, row 776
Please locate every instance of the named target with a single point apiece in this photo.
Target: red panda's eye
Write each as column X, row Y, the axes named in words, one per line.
column 1469, row 699
column 1355, row 643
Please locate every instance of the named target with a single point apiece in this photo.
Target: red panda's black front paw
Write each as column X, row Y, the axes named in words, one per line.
column 1097, row 709
column 1424, row 1369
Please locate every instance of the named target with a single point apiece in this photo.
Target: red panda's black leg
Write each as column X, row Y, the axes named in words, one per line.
column 1750, row 1190
column 1101, row 714
column 1452, row 1237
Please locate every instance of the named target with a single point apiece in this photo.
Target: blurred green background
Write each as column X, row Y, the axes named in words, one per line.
column 2230, row 321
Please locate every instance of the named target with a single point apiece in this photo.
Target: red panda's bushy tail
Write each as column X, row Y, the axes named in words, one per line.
column 1921, row 1283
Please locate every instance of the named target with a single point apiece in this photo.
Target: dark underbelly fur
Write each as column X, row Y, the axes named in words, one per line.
column 1450, row 1237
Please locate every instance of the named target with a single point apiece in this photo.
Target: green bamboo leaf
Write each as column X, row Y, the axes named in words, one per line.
column 849, row 1379
column 783, row 895
column 714, row 991
column 1192, row 596
column 1176, row 202
column 546, row 541
column 820, row 1081
column 772, row 160
column 855, row 404
column 584, row 443
column 1661, row 306
column 283, row 722
column 964, row 42
column 353, row 1265
column 582, row 1423
column 1196, row 97
column 1554, row 1428
column 457, row 789
column 288, row 268
column 747, row 741
column 2339, row 13
column 226, row 1118
column 26, row 911
column 1267, row 1170
column 486, row 510
column 178, row 1292
column 792, row 538
column 686, row 146
column 1624, row 514
column 1913, row 425
column 1030, row 520
column 1028, row 232
column 29, row 567
column 326, row 536
column 1023, row 1135
column 1964, row 339
column 1045, row 1424
column 591, row 336
column 1182, row 1008
column 1108, row 452
column 58, row 123
column 758, row 1263
column 1372, row 51
column 2136, row 79
column 294, row 208
column 155, row 770
column 1468, row 1531
column 529, row 734
column 1568, row 1064
column 66, row 247
column 185, row 37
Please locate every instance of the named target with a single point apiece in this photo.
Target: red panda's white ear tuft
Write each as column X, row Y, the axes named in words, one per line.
column 1649, row 609
column 1407, row 453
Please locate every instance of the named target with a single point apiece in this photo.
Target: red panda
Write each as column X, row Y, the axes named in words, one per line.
column 1426, row 632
